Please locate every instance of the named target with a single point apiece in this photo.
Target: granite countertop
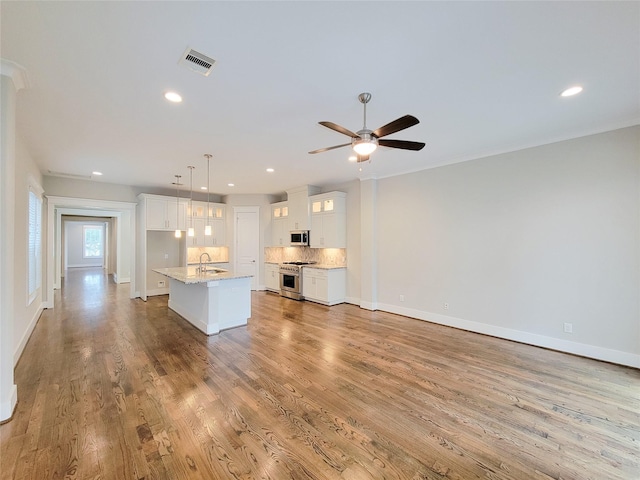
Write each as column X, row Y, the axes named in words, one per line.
column 323, row 266
column 188, row 275
column 207, row 263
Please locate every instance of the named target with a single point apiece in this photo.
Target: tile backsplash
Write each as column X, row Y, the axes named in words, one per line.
column 325, row 256
column 217, row 254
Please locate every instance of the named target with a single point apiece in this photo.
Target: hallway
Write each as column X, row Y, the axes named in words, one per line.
column 115, row 388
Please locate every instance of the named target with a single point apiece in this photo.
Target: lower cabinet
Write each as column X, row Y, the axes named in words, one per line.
column 272, row 277
column 326, row 286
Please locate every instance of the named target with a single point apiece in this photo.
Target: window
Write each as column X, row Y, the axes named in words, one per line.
column 92, row 241
column 35, row 245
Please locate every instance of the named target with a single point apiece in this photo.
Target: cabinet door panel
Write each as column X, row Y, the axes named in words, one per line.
column 156, row 214
column 317, row 231
column 176, row 215
column 322, row 288
column 198, row 227
column 218, row 232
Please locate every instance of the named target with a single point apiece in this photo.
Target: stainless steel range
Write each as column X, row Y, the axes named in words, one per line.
column 291, row 279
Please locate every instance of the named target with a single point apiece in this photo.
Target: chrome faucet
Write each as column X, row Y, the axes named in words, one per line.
column 200, row 270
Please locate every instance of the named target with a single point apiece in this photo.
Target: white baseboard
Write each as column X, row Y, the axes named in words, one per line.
column 8, row 403
column 115, row 277
column 158, row 291
column 581, row 349
column 122, row 279
column 352, row 300
column 371, row 306
column 27, row 334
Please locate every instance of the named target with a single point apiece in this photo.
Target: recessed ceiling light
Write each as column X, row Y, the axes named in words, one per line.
column 231, row 184
column 353, row 158
column 270, row 170
column 96, row 173
column 173, row 97
column 571, row 91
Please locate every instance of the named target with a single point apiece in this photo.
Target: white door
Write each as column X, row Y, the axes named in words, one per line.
column 247, row 245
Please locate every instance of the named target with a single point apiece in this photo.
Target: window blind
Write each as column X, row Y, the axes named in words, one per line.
column 35, row 245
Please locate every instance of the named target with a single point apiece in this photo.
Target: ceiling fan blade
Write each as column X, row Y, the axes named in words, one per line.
column 320, row 150
column 338, row 128
column 403, row 144
column 395, row 126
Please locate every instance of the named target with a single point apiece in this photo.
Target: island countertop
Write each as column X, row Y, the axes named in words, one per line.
column 189, row 275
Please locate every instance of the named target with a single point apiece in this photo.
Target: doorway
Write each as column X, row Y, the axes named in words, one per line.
column 247, row 242
column 86, row 242
column 121, row 238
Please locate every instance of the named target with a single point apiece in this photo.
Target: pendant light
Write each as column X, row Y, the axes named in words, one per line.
column 191, row 232
column 178, row 232
column 207, row 228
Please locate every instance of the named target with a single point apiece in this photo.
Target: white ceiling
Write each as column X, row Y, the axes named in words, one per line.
column 482, row 77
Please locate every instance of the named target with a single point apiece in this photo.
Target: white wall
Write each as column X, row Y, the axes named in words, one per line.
column 74, row 245
column 101, row 190
column 521, row 243
column 25, row 315
column 164, row 250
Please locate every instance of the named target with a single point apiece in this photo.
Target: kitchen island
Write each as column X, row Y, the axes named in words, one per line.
column 211, row 301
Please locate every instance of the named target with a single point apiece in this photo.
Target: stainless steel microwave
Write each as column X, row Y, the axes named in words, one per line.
column 299, row 238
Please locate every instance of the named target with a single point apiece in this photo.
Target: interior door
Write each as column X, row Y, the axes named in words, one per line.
column 247, row 229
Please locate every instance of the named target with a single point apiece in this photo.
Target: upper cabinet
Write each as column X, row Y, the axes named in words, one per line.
column 280, row 224
column 164, row 213
column 216, row 220
column 298, row 200
column 328, row 220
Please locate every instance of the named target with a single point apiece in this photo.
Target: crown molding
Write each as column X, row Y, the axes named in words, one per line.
column 17, row 73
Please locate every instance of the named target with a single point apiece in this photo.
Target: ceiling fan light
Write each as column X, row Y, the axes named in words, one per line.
column 364, row 146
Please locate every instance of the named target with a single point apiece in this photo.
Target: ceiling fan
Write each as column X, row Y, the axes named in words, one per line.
column 365, row 141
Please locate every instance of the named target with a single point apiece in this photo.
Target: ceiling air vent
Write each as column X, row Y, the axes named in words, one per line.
column 196, row 61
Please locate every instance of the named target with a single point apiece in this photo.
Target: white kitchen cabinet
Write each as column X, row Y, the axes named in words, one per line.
column 280, row 224
column 326, row 286
column 298, row 200
column 328, row 220
column 164, row 213
column 218, row 235
column 272, row 277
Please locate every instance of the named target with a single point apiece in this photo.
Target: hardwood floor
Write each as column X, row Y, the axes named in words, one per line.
column 113, row 388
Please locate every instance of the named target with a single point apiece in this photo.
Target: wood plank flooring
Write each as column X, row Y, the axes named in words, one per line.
column 113, row 388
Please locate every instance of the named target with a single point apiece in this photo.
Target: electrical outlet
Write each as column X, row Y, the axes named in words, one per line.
column 402, row 298
column 446, row 306
column 568, row 328
column 161, row 283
